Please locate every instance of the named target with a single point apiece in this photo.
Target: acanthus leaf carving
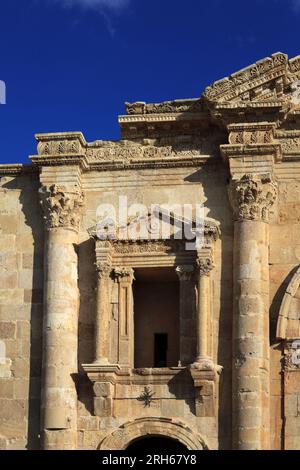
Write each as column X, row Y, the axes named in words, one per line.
column 61, row 206
column 123, row 273
column 205, row 265
column 252, row 197
column 104, row 269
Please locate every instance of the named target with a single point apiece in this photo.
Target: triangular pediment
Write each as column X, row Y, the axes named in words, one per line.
column 160, row 223
column 273, row 80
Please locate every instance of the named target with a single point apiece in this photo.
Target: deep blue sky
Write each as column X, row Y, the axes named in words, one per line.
column 72, row 68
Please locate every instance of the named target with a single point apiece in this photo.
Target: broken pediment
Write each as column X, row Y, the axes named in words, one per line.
column 275, row 80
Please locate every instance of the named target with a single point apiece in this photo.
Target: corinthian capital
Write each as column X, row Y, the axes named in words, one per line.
column 103, row 270
column 185, row 272
column 124, row 274
column 252, row 197
column 61, row 206
column 205, row 265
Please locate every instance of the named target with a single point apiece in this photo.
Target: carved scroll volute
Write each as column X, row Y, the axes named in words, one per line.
column 62, row 206
column 252, row 197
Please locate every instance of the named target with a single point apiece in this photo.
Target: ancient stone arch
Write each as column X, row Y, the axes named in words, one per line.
column 288, row 326
column 129, row 432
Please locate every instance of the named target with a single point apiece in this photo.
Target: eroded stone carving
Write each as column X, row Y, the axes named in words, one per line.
column 252, row 197
column 127, row 150
column 103, row 269
column 123, row 273
column 148, row 246
column 292, row 355
column 178, row 106
column 269, row 79
column 185, row 272
column 205, row 265
column 58, row 147
column 62, row 206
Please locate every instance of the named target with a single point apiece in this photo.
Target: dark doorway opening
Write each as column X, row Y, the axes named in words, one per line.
column 157, row 444
column 160, row 349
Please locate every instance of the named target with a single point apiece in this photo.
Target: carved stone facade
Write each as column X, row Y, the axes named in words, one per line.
column 108, row 338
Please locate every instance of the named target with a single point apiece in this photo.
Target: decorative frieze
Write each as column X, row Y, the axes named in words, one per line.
column 244, row 134
column 177, row 106
column 62, row 206
column 60, row 143
column 252, row 197
column 130, row 150
column 269, row 79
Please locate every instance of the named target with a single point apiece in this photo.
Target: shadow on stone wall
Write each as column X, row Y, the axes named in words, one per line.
column 214, row 180
column 32, row 259
column 87, row 284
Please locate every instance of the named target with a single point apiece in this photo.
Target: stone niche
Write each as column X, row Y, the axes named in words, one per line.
column 129, row 381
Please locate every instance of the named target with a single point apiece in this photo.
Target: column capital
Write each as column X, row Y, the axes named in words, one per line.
column 62, row 206
column 124, row 274
column 185, row 272
column 205, row 265
column 253, row 196
column 104, row 270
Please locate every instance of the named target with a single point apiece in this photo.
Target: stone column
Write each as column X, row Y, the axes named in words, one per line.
column 186, row 326
column 252, row 196
column 102, row 314
column 205, row 265
column 125, row 278
column 60, row 326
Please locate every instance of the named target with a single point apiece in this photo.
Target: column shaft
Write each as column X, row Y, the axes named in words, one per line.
column 59, row 397
column 102, row 317
column 202, row 316
column 251, row 336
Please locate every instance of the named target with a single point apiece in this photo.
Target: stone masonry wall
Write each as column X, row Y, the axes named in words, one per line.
column 21, row 310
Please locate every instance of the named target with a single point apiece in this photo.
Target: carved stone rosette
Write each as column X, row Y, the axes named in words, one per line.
column 61, row 206
column 252, row 197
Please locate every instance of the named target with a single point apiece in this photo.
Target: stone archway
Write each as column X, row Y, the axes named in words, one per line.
column 288, row 326
column 129, row 432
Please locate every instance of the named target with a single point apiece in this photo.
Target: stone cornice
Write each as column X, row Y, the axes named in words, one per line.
column 168, row 117
column 60, row 160
column 71, row 149
column 251, row 83
column 237, row 151
column 191, row 106
column 17, row 169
